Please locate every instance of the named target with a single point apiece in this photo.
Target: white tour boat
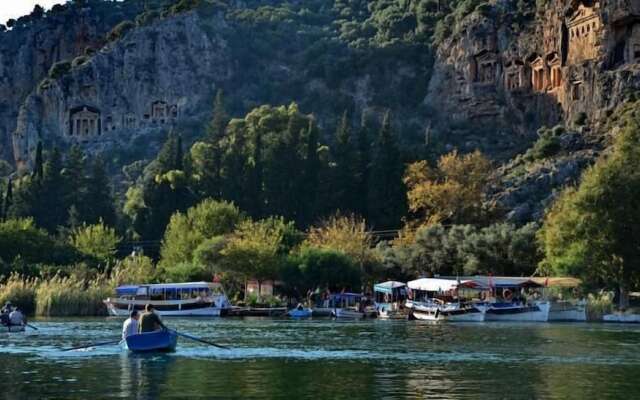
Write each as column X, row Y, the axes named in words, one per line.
column 171, row 299
column 389, row 300
column 507, row 301
column 442, row 300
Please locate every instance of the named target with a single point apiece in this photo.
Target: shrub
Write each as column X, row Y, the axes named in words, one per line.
column 120, row 30
column 58, row 69
column 20, row 291
column 98, row 241
column 133, row 269
column 71, row 296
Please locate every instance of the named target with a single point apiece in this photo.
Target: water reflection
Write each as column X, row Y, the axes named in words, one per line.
column 327, row 359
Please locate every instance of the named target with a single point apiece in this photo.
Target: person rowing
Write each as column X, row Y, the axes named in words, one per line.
column 150, row 321
column 4, row 313
column 16, row 318
column 130, row 325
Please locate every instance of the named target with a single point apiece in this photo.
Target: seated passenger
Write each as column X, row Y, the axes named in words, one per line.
column 150, row 321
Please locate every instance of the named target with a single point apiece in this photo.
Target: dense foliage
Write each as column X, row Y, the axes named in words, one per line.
column 593, row 231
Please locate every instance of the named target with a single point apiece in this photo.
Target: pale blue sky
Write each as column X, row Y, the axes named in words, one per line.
column 17, row 8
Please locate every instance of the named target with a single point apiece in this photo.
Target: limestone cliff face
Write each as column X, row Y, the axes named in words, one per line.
column 27, row 53
column 573, row 62
column 149, row 80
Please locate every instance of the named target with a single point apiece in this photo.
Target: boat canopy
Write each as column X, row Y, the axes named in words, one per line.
column 126, row 290
column 441, row 285
column 504, row 282
column 388, row 287
column 339, row 296
column 143, row 289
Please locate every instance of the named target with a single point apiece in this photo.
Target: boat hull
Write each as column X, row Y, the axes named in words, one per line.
column 305, row 313
column 158, row 341
column 123, row 309
column 566, row 311
column 343, row 313
column 537, row 312
column 458, row 315
column 12, row 328
column 625, row 318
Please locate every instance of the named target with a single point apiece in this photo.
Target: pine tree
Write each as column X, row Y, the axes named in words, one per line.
column 38, row 171
column 363, row 165
column 8, row 200
column 311, row 174
column 99, row 199
column 254, row 193
column 387, row 197
column 343, row 177
column 179, row 157
column 219, row 119
column 75, row 183
column 50, row 208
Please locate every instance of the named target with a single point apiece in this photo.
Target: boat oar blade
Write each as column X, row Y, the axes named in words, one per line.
column 184, row 335
column 32, row 327
column 94, row 345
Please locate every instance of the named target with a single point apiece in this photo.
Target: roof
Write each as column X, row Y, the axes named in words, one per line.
column 559, row 281
column 340, row 295
column 387, row 287
column 440, row 284
column 184, row 285
column 504, row 281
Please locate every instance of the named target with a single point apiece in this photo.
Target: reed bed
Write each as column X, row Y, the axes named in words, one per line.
column 71, row 296
column 598, row 305
column 20, row 291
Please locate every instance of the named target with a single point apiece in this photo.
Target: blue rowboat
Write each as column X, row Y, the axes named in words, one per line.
column 300, row 313
column 160, row 341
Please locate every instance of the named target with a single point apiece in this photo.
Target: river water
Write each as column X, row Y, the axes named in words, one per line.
column 325, row 359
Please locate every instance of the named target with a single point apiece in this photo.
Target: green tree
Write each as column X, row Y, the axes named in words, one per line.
column 99, row 198
column 219, row 119
column 312, row 268
column 593, row 231
column 7, row 200
column 38, row 168
column 344, row 176
column 386, row 198
column 97, row 241
column 187, row 231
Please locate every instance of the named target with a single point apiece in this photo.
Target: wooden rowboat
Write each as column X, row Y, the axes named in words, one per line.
column 158, row 341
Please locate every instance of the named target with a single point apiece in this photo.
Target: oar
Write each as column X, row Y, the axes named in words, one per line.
column 184, row 335
column 32, row 327
column 94, row 345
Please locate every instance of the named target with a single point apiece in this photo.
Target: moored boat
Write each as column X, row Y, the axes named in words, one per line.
column 300, row 312
column 568, row 311
column 512, row 299
column 347, row 305
column 622, row 317
column 158, row 341
column 389, row 300
column 444, row 300
column 171, row 299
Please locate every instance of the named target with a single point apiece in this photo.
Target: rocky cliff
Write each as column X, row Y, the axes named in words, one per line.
column 500, row 71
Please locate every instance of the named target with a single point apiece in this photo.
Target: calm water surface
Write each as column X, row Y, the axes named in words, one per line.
column 324, row 359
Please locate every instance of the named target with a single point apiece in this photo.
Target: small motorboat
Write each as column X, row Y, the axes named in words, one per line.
column 158, row 341
column 300, row 312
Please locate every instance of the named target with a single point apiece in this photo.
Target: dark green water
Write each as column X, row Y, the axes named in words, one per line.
column 323, row 359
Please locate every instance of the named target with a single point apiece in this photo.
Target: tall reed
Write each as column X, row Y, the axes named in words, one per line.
column 71, row 296
column 20, row 291
column 599, row 304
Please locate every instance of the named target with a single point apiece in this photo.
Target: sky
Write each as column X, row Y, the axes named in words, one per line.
column 17, row 8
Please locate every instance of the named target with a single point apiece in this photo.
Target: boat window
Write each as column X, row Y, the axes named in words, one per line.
column 156, row 294
column 171, row 294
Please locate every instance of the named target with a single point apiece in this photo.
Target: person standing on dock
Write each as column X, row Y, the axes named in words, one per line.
column 130, row 326
column 150, row 321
